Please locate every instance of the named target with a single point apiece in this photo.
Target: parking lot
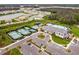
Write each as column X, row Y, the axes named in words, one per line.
column 74, row 47
column 43, row 45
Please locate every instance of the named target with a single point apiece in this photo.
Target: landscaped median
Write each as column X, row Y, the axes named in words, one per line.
column 41, row 36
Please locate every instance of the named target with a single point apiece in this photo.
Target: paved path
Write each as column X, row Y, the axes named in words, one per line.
column 31, row 50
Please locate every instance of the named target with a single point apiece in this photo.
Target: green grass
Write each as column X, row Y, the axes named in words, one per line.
column 15, row 26
column 5, row 41
column 75, row 30
column 2, row 22
column 14, row 51
column 41, row 36
column 45, row 21
column 14, row 20
column 59, row 40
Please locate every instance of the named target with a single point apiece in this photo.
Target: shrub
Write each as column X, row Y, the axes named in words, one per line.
column 13, row 20
column 41, row 36
column 3, row 22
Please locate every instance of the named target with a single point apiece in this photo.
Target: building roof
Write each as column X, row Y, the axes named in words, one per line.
column 57, row 26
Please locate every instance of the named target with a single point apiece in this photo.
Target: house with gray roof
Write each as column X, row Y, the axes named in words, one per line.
column 60, row 31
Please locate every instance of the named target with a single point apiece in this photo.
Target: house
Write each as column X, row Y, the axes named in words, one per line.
column 60, row 31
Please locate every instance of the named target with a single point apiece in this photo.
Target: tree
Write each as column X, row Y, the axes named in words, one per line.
column 76, row 17
column 67, row 19
column 1, row 36
column 3, row 22
column 13, row 20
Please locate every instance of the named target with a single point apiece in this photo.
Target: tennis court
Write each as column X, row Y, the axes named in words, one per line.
column 21, row 32
column 24, row 32
column 15, row 35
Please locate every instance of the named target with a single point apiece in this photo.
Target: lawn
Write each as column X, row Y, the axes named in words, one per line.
column 15, row 26
column 45, row 21
column 14, row 51
column 6, row 40
column 59, row 40
column 41, row 36
column 75, row 30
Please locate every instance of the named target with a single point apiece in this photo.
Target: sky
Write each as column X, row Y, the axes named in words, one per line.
column 39, row 1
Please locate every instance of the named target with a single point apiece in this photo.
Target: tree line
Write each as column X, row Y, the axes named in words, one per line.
column 69, row 19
